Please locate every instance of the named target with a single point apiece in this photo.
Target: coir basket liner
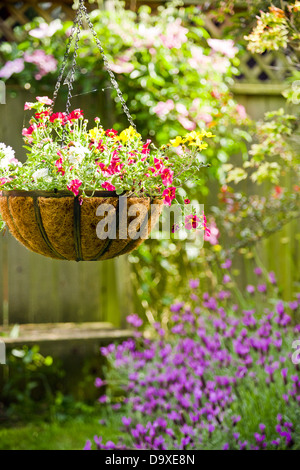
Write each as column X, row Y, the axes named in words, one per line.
column 61, row 226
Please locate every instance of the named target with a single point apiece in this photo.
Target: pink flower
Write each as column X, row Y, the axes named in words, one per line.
column 28, row 105
column 167, row 176
column 241, row 111
column 186, row 123
column 46, row 30
column 29, row 131
column 199, row 61
column 214, row 233
column 175, row 35
column 5, row 180
column 146, row 150
column 11, row 67
column 163, row 108
column 181, row 109
column 122, row 67
column 45, row 63
column 44, row 100
column 224, row 46
column 108, row 186
column 169, row 195
column 74, row 186
column 59, row 165
column 187, row 201
column 191, row 221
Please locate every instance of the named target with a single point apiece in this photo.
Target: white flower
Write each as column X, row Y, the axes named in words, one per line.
column 7, row 157
column 7, row 151
column 77, row 153
column 42, row 173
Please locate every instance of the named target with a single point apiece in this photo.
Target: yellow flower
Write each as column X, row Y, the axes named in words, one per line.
column 96, row 133
column 193, row 136
column 176, row 142
column 217, row 248
column 200, row 145
column 129, row 134
column 198, row 135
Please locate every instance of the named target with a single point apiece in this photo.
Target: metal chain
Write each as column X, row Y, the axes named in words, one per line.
column 107, row 67
column 65, row 59
column 75, row 32
column 70, row 81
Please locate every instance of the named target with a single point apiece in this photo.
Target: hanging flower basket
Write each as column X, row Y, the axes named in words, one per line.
column 52, row 203
column 62, row 226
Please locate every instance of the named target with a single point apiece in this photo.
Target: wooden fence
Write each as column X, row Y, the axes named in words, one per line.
column 34, row 289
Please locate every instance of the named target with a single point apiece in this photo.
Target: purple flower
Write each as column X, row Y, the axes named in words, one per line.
column 194, row 283
column 250, row 289
column 126, row 421
column 262, row 288
column 177, row 307
column 293, row 305
column 226, row 446
column 99, row 382
column 226, row 279
column 210, row 428
column 134, row 320
column 276, row 442
column 272, row 277
column 235, row 419
column 257, row 271
column 227, row 264
column 110, row 445
column 280, row 308
column 103, row 399
column 88, row 446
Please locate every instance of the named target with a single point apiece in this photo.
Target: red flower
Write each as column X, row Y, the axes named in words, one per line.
column 76, row 114
column 278, row 191
column 169, row 195
column 191, row 221
column 187, row 201
column 58, row 116
column 107, row 185
column 41, row 115
column 111, row 132
column 74, row 186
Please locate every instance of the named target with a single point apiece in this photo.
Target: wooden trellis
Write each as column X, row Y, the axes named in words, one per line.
column 14, row 13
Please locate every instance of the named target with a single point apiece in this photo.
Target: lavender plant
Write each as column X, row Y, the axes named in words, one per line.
column 220, row 374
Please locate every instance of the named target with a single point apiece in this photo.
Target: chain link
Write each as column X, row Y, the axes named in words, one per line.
column 75, row 32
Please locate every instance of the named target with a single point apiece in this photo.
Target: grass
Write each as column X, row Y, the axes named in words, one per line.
column 68, row 435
